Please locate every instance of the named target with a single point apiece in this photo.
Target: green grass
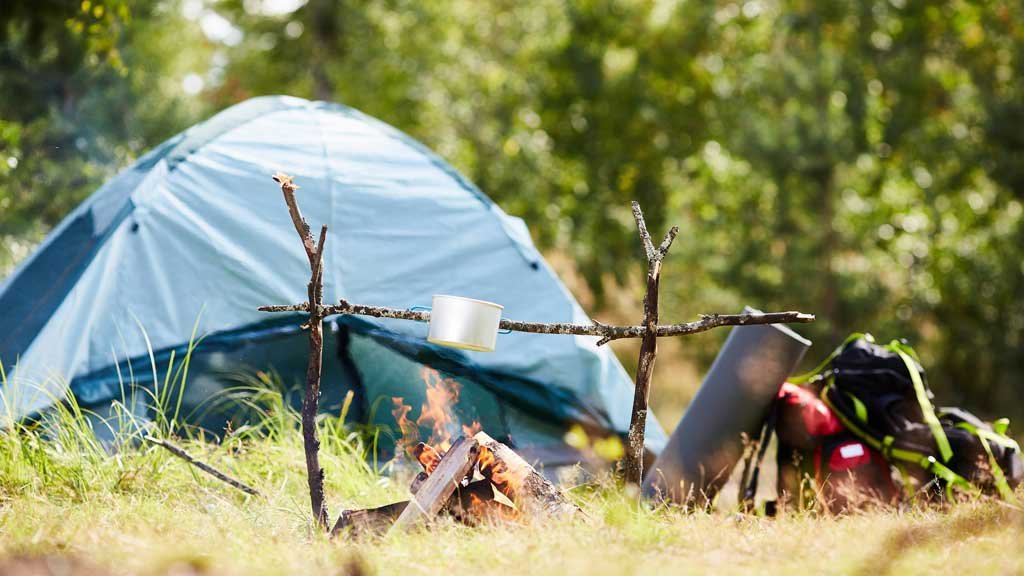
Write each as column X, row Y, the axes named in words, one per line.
column 144, row 511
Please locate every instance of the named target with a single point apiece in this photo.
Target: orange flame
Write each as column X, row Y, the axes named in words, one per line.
column 436, row 414
column 496, row 471
column 489, row 510
column 410, row 432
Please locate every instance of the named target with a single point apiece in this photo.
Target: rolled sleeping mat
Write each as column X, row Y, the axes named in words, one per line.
column 733, row 401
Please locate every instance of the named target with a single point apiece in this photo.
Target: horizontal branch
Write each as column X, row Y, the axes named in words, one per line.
column 606, row 332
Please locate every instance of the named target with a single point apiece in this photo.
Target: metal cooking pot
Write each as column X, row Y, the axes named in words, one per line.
column 464, row 323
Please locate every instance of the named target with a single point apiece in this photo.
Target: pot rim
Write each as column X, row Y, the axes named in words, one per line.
column 474, row 300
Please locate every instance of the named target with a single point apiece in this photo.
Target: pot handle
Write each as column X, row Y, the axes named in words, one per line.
column 415, row 308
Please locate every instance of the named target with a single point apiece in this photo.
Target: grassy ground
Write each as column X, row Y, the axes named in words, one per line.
column 64, row 502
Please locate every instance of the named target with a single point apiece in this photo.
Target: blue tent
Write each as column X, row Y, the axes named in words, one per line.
column 196, row 231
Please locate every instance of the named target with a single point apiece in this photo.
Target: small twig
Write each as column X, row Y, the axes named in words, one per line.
column 181, row 453
column 667, row 242
column 645, row 236
column 288, row 188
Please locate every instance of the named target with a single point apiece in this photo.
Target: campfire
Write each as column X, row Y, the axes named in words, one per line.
column 473, row 478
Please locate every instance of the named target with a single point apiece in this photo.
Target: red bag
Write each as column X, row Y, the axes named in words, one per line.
column 813, row 444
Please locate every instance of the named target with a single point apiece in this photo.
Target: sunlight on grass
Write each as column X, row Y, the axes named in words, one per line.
column 141, row 510
column 131, row 507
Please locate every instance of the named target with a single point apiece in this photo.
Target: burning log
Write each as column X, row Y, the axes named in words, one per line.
column 514, row 477
column 436, row 490
column 440, row 488
column 427, row 456
column 476, row 503
column 472, row 505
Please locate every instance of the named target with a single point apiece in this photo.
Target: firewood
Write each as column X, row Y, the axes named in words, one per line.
column 476, row 504
column 532, row 493
column 417, row 482
column 439, row 487
column 370, row 520
column 472, row 505
column 427, row 456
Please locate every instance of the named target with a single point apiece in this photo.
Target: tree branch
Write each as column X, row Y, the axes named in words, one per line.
column 288, row 188
column 645, row 236
column 667, row 242
column 605, row 331
column 633, row 465
column 311, row 401
column 181, row 453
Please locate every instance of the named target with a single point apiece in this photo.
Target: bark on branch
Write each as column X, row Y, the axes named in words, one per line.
column 634, row 461
column 311, row 401
column 605, row 331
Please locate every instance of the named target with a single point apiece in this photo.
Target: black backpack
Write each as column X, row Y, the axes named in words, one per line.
column 880, row 395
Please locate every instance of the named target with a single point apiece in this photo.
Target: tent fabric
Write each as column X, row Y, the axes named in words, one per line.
column 195, row 232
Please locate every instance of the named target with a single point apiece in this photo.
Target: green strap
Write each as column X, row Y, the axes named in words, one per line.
column 859, row 408
column 926, row 405
column 808, row 376
column 991, row 435
column 997, row 471
column 932, row 465
column 1000, row 426
column 986, row 436
column 887, row 446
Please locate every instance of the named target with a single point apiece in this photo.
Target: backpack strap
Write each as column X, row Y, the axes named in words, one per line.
column 819, row 371
column 922, row 398
column 986, row 436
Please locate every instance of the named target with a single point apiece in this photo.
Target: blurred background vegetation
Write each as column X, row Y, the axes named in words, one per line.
column 861, row 160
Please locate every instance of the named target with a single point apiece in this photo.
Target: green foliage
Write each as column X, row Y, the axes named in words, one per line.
column 861, row 160
column 83, row 94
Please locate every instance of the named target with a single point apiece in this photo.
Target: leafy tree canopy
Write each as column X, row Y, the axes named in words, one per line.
column 858, row 159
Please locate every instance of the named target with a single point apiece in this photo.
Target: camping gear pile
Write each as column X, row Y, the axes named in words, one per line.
column 861, row 429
